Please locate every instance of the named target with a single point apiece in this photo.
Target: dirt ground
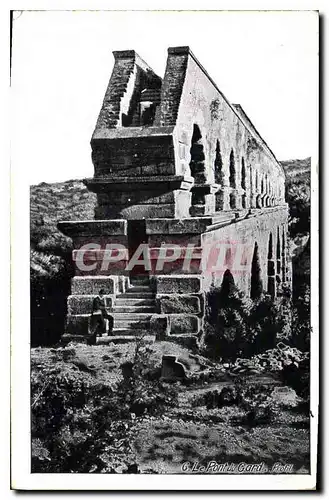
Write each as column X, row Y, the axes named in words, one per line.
column 191, row 432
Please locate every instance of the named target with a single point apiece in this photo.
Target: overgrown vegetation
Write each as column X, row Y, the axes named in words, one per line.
column 237, row 326
column 81, row 423
column 298, row 196
column 50, row 259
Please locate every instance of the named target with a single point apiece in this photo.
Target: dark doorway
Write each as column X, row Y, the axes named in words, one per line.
column 270, row 268
column 137, row 236
column 256, row 282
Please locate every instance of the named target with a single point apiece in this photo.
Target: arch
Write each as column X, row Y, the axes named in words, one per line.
column 243, row 183
column 278, row 257
column 197, row 162
column 258, row 189
column 232, row 180
column 257, row 181
column 270, row 268
column 256, row 287
column 243, row 174
column 218, row 165
column 251, row 188
column 228, row 284
column 197, row 165
column 284, row 270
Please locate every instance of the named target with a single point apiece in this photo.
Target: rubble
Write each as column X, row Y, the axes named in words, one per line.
column 273, row 360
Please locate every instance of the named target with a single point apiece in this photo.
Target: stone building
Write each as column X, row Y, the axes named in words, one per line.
column 176, row 166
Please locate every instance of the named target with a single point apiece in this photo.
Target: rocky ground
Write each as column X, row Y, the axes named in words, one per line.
column 236, row 413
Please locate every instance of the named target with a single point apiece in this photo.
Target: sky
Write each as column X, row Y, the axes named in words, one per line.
column 62, row 62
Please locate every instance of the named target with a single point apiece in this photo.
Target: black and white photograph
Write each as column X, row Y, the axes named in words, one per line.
column 165, row 278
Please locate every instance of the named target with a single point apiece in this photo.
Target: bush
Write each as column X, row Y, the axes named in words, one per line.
column 238, row 327
column 80, row 424
column 301, row 319
column 255, row 401
column 140, row 392
column 298, row 377
column 299, row 198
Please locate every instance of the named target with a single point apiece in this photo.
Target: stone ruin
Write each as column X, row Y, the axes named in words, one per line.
column 176, row 164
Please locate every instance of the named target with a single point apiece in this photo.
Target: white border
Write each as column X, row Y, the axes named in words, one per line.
column 21, row 476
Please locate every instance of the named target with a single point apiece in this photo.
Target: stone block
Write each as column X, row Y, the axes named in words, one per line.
column 178, row 284
column 171, row 369
column 93, row 228
column 80, row 242
column 82, row 304
column 156, row 240
column 184, row 324
column 101, row 267
column 150, row 170
column 178, row 304
column 174, row 226
column 92, row 285
column 189, row 341
column 77, row 325
column 145, row 211
column 166, row 169
column 159, row 326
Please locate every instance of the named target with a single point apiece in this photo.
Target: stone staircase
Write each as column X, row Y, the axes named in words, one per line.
column 133, row 309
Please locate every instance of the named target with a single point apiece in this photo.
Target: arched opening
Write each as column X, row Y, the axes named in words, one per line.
column 284, row 271
column 232, row 170
column 218, row 165
column 266, row 197
column 270, row 268
column 243, row 183
column 262, row 186
column 251, row 187
column 147, row 114
column 228, row 285
column 232, row 180
column 278, row 259
column 256, row 287
column 219, row 177
column 197, row 163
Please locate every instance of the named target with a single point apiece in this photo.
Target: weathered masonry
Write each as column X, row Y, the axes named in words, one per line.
column 175, row 163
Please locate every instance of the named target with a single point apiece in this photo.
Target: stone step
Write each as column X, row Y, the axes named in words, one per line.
column 126, row 326
column 130, row 319
column 137, row 295
column 132, row 309
column 127, row 301
column 139, row 288
column 130, row 331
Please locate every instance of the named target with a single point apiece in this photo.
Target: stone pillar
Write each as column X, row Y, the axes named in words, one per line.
column 203, row 199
